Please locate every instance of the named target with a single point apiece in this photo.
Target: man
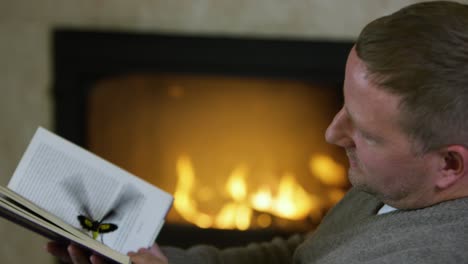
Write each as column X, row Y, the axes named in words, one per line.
column 404, row 126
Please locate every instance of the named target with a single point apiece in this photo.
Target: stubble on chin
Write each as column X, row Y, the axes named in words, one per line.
column 356, row 176
column 358, row 181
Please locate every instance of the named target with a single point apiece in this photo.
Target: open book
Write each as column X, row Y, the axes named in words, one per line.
column 68, row 194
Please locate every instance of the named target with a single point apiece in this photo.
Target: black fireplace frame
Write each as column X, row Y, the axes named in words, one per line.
column 82, row 57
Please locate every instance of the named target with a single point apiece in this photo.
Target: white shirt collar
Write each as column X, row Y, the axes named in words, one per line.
column 386, row 209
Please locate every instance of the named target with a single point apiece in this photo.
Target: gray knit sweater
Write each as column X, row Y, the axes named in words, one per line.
column 353, row 233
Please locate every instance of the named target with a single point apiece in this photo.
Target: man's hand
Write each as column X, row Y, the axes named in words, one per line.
column 152, row 255
column 74, row 254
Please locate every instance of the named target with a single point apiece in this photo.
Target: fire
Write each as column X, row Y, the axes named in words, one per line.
column 327, row 170
column 183, row 202
column 262, row 199
column 236, row 185
column 234, row 215
column 246, row 208
column 293, row 202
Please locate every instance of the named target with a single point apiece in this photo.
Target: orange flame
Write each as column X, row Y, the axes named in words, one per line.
column 291, row 200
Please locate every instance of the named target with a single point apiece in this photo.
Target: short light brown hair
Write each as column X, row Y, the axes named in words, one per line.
column 421, row 54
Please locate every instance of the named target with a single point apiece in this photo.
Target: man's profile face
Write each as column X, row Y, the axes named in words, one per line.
column 380, row 154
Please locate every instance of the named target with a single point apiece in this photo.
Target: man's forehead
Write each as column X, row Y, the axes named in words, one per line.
column 364, row 101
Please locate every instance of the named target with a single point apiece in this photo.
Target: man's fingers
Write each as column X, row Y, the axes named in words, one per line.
column 152, row 255
column 58, row 250
column 96, row 260
column 146, row 258
column 156, row 251
column 77, row 256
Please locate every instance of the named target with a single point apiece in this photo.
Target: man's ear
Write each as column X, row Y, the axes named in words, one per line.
column 454, row 161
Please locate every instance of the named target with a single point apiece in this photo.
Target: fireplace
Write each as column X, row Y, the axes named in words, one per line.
column 233, row 127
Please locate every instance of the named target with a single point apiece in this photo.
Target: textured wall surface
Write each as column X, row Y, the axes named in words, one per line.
column 25, row 76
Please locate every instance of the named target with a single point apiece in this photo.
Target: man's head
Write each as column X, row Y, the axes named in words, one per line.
column 421, row 54
column 403, row 123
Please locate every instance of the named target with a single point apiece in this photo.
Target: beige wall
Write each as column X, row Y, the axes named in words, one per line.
column 25, row 63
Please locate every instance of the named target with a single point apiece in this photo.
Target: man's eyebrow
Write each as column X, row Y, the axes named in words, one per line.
column 351, row 117
column 359, row 127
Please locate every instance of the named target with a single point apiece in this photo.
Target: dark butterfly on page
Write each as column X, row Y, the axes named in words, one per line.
column 97, row 227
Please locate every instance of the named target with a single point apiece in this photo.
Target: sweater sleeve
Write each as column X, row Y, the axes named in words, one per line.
column 277, row 251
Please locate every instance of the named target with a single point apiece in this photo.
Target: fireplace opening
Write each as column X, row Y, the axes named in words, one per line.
column 229, row 126
column 237, row 153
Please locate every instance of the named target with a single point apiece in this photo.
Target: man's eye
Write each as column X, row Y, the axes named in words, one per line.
column 368, row 138
column 371, row 141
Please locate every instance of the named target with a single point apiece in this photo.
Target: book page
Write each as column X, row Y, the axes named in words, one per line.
column 71, row 182
column 24, row 213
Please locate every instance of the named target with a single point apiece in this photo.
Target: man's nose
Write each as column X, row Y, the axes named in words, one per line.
column 338, row 132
